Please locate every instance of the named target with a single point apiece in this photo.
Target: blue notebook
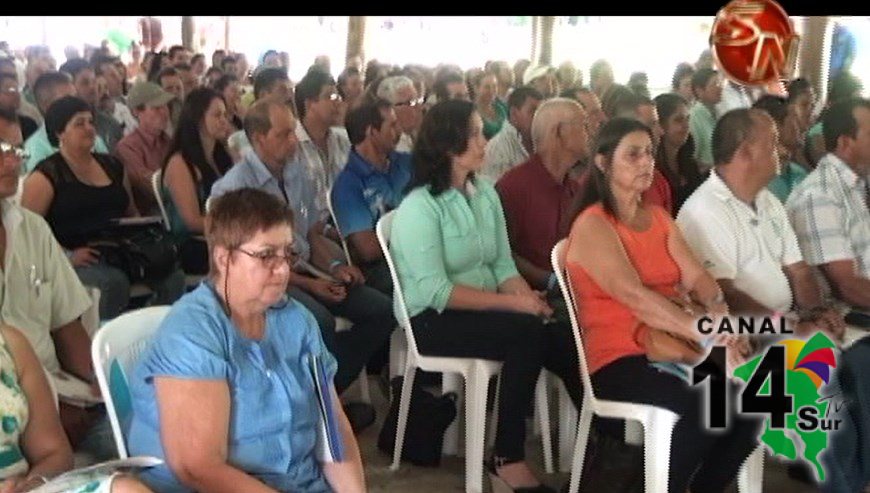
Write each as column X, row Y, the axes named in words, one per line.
column 330, row 447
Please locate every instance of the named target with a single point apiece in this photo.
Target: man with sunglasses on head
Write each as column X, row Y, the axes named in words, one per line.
column 41, row 295
column 399, row 90
column 272, row 164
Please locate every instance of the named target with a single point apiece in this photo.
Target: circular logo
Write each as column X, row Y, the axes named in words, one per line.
column 754, row 42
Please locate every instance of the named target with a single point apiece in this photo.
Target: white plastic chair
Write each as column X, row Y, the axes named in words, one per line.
column 156, row 180
column 658, row 423
column 115, row 351
column 476, row 374
column 335, row 221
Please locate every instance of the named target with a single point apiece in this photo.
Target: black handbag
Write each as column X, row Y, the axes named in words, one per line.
column 146, row 254
column 428, row 419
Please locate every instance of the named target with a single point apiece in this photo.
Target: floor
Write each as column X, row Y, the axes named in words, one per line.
column 449, row 477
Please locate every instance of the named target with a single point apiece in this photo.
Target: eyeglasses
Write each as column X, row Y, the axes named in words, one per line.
column 12, row 90
column 412, row 103
column 8, row 150
column 334, row 97
column 270, row 259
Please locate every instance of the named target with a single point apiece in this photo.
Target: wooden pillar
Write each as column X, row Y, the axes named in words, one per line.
column 815, row 51
column 356, row 34
column 187, row 29
column 226, row 33
column 545, row 31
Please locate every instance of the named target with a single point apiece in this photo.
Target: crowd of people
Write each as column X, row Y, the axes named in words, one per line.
column 710, row 199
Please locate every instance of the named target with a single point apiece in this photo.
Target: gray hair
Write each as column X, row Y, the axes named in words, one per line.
column 551, row 112
column 388, row 87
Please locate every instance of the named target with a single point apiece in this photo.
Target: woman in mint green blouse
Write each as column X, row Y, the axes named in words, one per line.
column 461, row 287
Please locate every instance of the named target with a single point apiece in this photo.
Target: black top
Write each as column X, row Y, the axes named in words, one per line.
column 28, row 126
column 79, row 212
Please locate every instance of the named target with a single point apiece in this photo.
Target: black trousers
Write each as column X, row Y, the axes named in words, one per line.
column 713, row 457
column 523, row 343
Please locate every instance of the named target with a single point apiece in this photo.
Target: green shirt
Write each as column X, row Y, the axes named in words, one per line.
column 782, row 184
column 702, row 121
column 438, row 242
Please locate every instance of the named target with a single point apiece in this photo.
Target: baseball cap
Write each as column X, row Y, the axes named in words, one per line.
column 147, row 94
column 535, row 71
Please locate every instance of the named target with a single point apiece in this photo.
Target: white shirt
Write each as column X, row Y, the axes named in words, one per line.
column 733, row 97
column 323, row 172
column 122, row 115
column 39, row 290
column 734, row 242
column 406, row 143
column 504, row 151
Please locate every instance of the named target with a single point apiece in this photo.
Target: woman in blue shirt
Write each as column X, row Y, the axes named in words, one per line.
column 223, row 393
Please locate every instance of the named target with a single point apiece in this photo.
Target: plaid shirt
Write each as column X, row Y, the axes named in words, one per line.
column 830, row 215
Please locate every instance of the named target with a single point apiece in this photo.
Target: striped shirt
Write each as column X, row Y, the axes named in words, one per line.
column 830, row 216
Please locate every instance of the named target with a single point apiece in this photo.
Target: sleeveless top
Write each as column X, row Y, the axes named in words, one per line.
column 610, row 329
column 79, row 211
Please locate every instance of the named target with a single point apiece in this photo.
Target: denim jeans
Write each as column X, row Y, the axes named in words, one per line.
column 114, row 288
column 372, row 315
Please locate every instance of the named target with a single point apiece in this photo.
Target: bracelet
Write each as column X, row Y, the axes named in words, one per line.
column 335, row 263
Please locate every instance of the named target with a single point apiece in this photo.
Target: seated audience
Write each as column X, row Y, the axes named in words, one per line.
column 373, row 182
column 625, row 260
column 707, row 88
column 740, row 231
column 788, row 132
column 674, row 155
column 10, row 100
column 537, row 194
column 493, row 114
column 844, row 86
column 512, row 145
column 80, row 193
column 84, row 81
column 399, row 90
column 144, row 151
column 224, row 392
column 461, row 286
column 48, row 88
column 228, row 87
column 829, row 210
column 272, row 164
column 196, row 159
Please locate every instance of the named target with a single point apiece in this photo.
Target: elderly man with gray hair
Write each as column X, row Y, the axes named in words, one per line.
column 399, row 90
column 537, row 194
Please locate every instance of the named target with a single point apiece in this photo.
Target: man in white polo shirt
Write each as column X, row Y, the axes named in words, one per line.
column 740, row 232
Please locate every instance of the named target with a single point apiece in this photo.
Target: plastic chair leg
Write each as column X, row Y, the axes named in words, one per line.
column 492, row 428
column 404, row 405
column 657, row 455
column 364, row 392
column 567, row 428
column 542, row 408
column 475, row 427
column 750, row 479
column 583, row 427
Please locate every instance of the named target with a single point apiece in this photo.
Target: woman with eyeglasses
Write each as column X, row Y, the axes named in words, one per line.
column 80, row 193
column 224, row 392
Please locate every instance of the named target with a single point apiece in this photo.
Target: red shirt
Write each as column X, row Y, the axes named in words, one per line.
column 533, row 203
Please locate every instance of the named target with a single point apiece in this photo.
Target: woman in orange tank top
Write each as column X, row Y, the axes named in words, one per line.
column 626, row 260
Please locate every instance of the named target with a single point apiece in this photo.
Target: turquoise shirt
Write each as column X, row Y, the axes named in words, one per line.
column 782, row 184
column 274, row 416
column 702, row 122
column 439, row 242
column 40, row 148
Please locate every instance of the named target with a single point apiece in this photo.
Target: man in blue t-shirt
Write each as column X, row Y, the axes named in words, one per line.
column 372, row 183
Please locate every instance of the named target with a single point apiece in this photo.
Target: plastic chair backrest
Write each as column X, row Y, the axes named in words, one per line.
column 156, row 182
column 16, row 199
column 557, row 259
column 384, row 230
column 335, row 221
column 115, row 351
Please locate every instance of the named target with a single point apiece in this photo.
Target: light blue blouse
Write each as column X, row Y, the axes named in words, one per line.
column 274, row 413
